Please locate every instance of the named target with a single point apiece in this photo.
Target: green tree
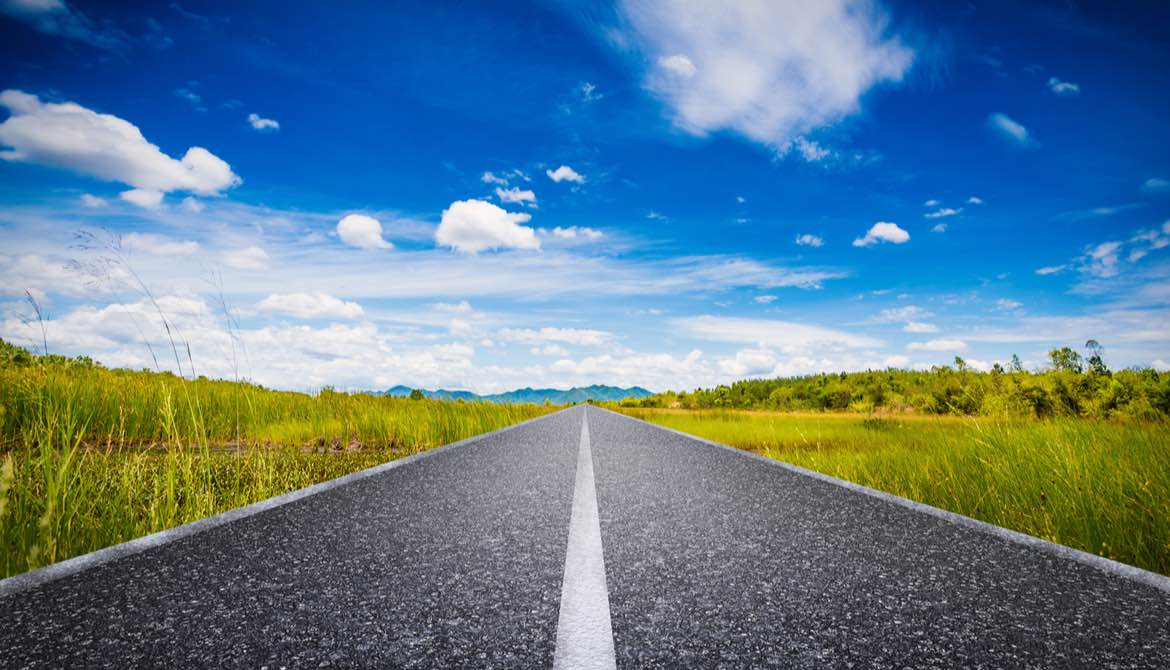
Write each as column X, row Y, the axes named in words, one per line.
column 1016, row 366
column 416, row 394
column 1065, row 360
column 1096, row 359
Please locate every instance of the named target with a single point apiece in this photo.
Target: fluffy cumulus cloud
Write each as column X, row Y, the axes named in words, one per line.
column 577, row 232
column 472, row 226
column 314, row 305
column 262, row 124
column 1010, row 129
column 69, row 136
column 361, row 231
column 882, row 231
column 768, row 70
column 809, row 240
column 516, row 195
column 146, row 198
column 565, row 173
column 938, row 346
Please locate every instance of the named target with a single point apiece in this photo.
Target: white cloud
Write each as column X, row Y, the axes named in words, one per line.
column 247, row 258
column 588, row 92
column 574, row 232
column 787, row 336
column 974, row 200
column 770, row 71
column 550, row 350
column 1009, row 129
column 158, row 245
column 931, row 203
column 765, row 299
column 906, row 313
column 314, row 305
column 740, row 199
column 678, row 65
column 92, row 201
column 1102, row 260
column 749, row 362
column 882, row 231
column 1051, row 270
column 565, row 173
column 656, row 216
column 807, row 149
column 67, row 135
column 1063, row 88
column 361, row 231
column 515, row 195
column 577, row 336
column 262, row 124
column 489, row 177
column 55, row 17
column 938, row 345
column 191, row 204
column 1156, row 185
column 1008, row 305
column 939, row 228
column 461, row 307
column 472, row 226
column 50, row 274
column 143, row 197
column 919, row 327
column 943, row 213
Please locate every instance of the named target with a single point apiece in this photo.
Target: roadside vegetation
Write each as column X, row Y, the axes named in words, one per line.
column 1076, row 454
column 90, row 456
column 1072, row 386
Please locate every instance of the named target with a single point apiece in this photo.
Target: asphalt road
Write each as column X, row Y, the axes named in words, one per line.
column 587, row 539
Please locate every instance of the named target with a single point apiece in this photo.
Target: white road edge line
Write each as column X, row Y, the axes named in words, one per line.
column 34, row 578
column 584, row 632
column 1106, row 565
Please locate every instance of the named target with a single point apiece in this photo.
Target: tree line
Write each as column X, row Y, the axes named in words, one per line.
column 1071, row 385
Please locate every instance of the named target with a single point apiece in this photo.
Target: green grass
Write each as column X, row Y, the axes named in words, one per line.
column 1102, row 487
column 90, row 457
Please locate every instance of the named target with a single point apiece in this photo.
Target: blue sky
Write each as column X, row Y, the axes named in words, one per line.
column 551, row 194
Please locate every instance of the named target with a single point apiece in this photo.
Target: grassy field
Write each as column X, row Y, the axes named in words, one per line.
column 90, row 457
column 1102, row 487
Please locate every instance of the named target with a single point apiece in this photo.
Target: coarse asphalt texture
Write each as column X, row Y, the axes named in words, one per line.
column 711, row 559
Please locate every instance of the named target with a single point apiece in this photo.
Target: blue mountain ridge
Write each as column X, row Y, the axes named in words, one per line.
column 554, row 396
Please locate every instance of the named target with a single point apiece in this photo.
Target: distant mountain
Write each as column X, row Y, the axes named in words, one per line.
column 555, row 396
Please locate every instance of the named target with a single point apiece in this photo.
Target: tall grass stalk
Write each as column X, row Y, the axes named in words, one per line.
column 90, row 457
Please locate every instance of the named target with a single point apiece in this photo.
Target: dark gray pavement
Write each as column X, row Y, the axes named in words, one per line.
column 711, row 559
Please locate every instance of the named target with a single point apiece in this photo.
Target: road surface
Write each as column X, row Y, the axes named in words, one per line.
column 586, row 539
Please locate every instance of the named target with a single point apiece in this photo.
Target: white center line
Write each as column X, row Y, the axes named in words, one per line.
column 584, row 633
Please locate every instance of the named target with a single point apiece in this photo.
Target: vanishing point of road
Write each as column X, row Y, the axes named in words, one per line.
column 585, row 539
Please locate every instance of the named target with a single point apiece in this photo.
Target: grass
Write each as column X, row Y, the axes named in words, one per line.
column 1102, row 487
column 90, row 457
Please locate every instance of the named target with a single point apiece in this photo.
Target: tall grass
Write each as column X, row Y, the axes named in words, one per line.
column 90, row 457
column 1102, row 487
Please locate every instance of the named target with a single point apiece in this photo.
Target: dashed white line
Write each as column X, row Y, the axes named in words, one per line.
column 584, row 632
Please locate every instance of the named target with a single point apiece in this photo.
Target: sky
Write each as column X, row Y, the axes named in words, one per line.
column 488, row 196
